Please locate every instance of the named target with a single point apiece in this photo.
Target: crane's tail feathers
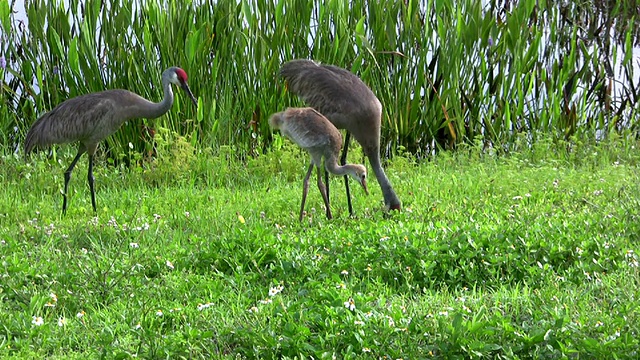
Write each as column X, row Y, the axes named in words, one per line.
column 35, row 136
column 29, row 143
column 292, row 68
column 275, row 121
column 295, row 72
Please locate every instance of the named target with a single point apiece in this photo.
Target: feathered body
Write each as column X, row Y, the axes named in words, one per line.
column 89, row 119
column 321, row 139
column 349, row 104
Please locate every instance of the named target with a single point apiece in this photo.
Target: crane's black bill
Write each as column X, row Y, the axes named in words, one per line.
column 185, row 87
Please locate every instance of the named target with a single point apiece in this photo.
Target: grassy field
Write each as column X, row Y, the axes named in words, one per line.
column 198, row 252
column 527, row 256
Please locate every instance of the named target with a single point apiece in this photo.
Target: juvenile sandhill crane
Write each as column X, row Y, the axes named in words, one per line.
column 315, row 134
column 349, row 104
column 88, row 119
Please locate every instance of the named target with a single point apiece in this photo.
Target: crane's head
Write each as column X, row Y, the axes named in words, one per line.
column 359, row 172
column 179, row 77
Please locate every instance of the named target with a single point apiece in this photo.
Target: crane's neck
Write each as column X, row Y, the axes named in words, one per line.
column 151, row 110
column 332, row 166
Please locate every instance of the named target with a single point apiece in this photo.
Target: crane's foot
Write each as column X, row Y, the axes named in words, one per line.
column 396, row 206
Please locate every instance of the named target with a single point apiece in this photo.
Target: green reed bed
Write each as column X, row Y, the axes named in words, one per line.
column 447, row 73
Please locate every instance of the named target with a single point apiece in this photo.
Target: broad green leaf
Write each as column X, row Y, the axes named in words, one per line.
column 5, row 16
column 73, row 57
column 279, row 10
column 360, row 33
column 191, row 46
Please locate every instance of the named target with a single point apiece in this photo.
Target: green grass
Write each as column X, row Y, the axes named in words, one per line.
column 526, row 256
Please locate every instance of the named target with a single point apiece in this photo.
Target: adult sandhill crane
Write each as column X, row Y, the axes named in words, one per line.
column 349, row 104
column 314, row 133
column 90, row 118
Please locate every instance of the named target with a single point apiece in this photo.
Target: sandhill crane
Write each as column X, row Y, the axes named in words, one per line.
column 315, row 133
column 349, row 104
column 88, row 119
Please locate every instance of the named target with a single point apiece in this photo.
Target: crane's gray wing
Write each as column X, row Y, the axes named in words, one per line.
column 86, row 118
column 310, row 129
column 327, row 88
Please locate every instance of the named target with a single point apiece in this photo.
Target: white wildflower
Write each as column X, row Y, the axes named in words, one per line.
column 112, row 222
column 390, row 321
column 204, row 306
column 275, row 290
column 350, row 304
column 37, row 321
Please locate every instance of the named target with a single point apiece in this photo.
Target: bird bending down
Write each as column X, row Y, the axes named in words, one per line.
column 315, row 134
column 90, row 118
column 349, row 104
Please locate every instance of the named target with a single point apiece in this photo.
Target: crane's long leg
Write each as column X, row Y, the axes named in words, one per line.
column 67, row 177
column 391, row 200
column 91, row 179
column 326, row 181
column 343, row 161
column 323, row 191
column 305, row 188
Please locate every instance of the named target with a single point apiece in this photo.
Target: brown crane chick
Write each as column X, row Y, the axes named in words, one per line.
column 89, row 119
column 314, row 133
column 349, row 104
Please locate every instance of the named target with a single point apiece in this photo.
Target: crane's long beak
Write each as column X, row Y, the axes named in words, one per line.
column 363, row 182
column 186, row 89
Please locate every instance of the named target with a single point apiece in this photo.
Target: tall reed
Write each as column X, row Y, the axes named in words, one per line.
column 447, row 72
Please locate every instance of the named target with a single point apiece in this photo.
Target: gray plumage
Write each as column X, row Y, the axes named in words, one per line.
column 314, row 133
column 349, row 104
column 89, row 119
